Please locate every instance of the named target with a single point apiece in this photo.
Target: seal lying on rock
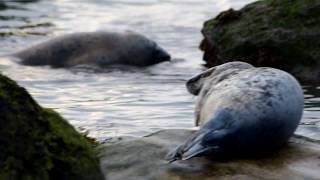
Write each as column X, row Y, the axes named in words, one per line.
column 242, row 111
column 97, row 48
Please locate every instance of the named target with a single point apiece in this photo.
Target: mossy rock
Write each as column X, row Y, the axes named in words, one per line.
column 275, row 33
column 38, row 144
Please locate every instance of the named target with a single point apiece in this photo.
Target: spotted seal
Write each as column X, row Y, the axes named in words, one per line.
column 97, row 48
column 242, row 111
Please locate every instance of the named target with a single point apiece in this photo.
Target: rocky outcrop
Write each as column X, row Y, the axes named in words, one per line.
column 143, row 158
column 276, row 33
column 37, row 143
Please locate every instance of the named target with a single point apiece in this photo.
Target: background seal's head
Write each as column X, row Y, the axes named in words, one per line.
column 142, row 51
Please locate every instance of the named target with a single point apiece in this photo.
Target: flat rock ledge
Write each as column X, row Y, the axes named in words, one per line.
column 143, row 158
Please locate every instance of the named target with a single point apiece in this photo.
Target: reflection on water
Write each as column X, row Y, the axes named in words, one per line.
column 310, row 125
column 117, row 102
column 22, row 21
column 312, row 104
column 312, row 96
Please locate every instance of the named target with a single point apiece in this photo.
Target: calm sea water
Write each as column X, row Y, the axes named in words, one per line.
column 131, row 102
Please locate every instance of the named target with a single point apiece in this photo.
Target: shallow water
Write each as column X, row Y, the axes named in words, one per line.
column 130, row 102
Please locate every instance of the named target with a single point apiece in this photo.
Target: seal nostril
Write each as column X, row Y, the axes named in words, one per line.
column 167, row 57
column 163, row 56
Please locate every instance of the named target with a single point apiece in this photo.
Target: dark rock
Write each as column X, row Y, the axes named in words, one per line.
column 2, row 6
column 37, row 143
column 143, row 158
column 276, row 33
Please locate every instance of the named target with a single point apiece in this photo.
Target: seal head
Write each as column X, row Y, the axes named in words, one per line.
column 215, row 74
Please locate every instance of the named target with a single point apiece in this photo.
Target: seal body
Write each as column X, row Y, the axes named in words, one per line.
column 96, row 48
column 242, row 111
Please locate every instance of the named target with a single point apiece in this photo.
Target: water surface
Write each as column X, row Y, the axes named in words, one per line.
column 129, row 102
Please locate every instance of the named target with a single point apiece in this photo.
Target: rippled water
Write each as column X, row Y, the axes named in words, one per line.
column 117, row 102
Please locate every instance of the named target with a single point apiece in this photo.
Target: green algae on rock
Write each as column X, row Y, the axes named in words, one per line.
column 37, row 143
column 275, row 33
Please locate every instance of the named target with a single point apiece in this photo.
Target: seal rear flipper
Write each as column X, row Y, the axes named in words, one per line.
column 174, row 155
column 196, row 150
column 178, row 153
column 209, row 139
column 202, row 142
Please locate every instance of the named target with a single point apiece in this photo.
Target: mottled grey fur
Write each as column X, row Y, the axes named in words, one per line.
column 97, row 48
column 242, row 111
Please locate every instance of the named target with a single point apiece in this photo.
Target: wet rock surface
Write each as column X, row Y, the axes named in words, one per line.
column 37, row 143
column 143, row 158
column 274, row 33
